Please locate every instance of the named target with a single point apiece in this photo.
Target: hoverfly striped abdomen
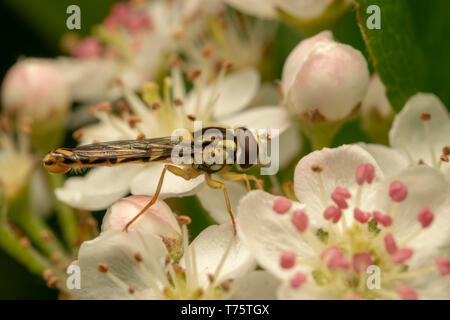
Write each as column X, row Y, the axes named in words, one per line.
column 110, row 153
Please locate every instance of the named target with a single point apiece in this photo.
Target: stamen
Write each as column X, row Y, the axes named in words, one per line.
column 384, row 219
column 390, row 244
column 443, row 265
column 407, row 293
column 361, row 261
column 317, row 168
column 281, row 205
column 401, row 255
column 298, row 279
column 425, row 217
column 398, row 191
column 300, row 221
column 332, row 213
column 426, row 117
column 339, row 196
column 287, row 260
column 360, row 216
column 365, row 173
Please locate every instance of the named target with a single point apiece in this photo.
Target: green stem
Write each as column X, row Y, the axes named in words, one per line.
column 11, row 245
column 65, row 214
column 29, row 222
column 320, row 134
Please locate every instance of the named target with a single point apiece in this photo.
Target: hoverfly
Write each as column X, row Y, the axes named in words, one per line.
column 238, row 145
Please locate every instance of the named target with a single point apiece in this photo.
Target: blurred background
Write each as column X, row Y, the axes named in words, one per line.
column 31, row 28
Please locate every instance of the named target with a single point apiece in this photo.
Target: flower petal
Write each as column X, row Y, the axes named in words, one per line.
column 211, row 245
column 89, row 80
column 234, row 93
column 338, row 170
column 268, row 234
column 99, row 188
column 426, row 188
column 304, row 9
column 158, row 219
column 117, row 249
column 390, row 160
column 286, row 292
column 408, row 132
column 213, row 200
column 146, row 182
column 258, row 285
column 267, row 117
column 263, row 9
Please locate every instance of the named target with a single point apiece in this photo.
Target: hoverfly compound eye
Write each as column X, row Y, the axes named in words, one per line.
column 247, row 148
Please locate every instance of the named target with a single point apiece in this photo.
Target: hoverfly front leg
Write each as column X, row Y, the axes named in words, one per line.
column 185, row 174
column 233, row 176
column 219, row 185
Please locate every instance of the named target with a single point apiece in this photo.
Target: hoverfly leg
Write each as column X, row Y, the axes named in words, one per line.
column 232, row 176
column 219, row 185
column 185, row 174
column 150, row 203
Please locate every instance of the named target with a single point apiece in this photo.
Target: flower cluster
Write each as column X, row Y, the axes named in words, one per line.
column 367, row 219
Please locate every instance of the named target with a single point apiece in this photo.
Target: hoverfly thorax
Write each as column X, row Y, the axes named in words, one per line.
column 247, row 148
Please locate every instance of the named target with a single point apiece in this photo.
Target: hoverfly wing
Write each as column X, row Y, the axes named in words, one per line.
column 126, row 151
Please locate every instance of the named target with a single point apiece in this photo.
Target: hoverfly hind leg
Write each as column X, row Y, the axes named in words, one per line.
column 220, row 185
column 185, row 174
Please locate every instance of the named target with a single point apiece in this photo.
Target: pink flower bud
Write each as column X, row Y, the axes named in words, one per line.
column 323, row 79
column 158, row 219
column 35, row 88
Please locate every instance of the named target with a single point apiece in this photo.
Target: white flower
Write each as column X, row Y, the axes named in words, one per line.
column 34, row 88
column 350, row 217
column 301, row 9
column 376, row 99
column 16, row 165
column 376, row 111
column 216, row 103
column 419, row 136
column 137, row 265
column 135, row 41
column 234, row 38
column 324, row 80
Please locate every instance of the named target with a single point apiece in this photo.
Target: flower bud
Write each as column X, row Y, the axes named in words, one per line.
column 34, row 90
column 324, row 80
column 158, row 219
column 376, row 111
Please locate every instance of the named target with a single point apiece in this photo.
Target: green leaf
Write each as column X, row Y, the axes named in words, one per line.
column 394, row 49
column 432, row 30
